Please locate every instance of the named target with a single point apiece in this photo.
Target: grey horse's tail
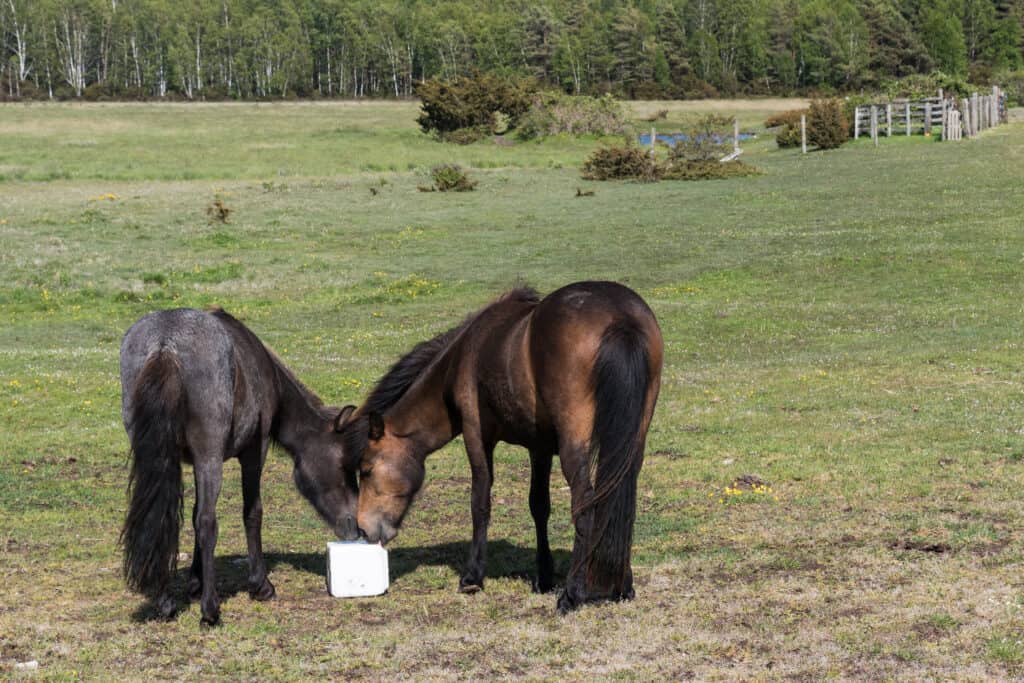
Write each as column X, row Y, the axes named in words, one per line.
column 151, row 527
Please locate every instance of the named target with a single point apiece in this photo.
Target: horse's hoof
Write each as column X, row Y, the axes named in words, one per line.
column 210, row 620
column 166, row 607
column 470, row 586
column 541, row 586
column 567, row 603
column 264, row 592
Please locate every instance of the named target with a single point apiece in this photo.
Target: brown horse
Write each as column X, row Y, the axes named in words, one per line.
column 576, row 373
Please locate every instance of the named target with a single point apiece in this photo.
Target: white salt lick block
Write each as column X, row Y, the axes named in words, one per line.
column 356, row 569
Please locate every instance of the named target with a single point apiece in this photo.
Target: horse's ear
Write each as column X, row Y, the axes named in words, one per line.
column 343, row 418
column 376, row 423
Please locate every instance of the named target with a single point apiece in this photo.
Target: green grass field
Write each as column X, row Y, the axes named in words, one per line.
column 844, row 327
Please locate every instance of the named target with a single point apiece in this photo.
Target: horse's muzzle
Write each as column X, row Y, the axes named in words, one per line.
column 346, row 529
column 382, row 532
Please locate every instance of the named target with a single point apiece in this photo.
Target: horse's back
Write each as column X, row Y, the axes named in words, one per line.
column 567, row 330
column 204, row 353
column 568, row 325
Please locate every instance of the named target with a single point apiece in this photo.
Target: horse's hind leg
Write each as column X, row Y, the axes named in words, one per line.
column 252, row 460
column 195, row 574
column 540, row 508
column 575, row 462
column 209, row 475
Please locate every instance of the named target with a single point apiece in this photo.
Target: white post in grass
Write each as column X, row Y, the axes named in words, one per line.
column 654, row 136
column 906, row 114
column 888, row 120
column 803, row 132
column 736, row 136
column 856, row 123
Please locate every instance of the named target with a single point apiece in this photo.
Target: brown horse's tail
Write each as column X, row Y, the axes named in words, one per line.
column 150, row 533
column 621, row 378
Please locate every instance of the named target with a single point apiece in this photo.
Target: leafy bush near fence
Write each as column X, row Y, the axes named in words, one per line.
column 827, row 125
column 554, row 113
column 706, row 139
column 708, row 170
column 785, row 118
column 476, row 102
column 694, row 157
column 1012, row 83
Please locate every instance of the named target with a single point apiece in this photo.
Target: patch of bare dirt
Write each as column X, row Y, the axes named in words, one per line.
column 922, row 546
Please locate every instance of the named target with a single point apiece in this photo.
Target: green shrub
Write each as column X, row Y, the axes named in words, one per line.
column 553, row 113
column 621, row 163
column 708, row 170
column 471, row 101
column 451, row 178
column 707, row 139
column 465, row 136
column 827, row 126
column 786, row 118
column 789, row 135
column 1012, row 82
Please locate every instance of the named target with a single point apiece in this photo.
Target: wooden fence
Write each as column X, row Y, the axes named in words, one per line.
column 949, row 117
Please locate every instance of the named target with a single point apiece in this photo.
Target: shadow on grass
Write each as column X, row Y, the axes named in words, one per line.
column 504, row 560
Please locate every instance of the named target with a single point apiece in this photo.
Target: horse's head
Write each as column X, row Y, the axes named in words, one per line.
column 389, row 475
column 331, row 488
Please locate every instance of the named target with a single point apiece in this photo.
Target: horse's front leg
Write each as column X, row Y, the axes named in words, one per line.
column 209, row 475
column 481, row 463
column 252, row 461
column 575, row 461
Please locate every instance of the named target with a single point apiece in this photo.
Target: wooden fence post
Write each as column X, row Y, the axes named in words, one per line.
column 874, row 124
column 803, row 132
column 856, row 123
column 927, row 118
column 907, row 114
column 996, row 120
column 975, row 110
column 965, row 112
column 654, row 137
column 945, row 120
column 888, row 120
column 736, row 136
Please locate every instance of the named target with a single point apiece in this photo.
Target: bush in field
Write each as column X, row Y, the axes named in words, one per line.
column 708, row 170
column 621, row 163
column 555, row 113
column 1013, row 84
column 788, row 135
column 471, row 102
column 450, row 178
column 707, row 139
column 785, row 118
column 827, row 125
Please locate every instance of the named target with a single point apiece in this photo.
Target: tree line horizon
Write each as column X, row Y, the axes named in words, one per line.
column 646, row 49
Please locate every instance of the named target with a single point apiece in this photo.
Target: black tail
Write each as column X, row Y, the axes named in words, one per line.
column 150, row 534
column 620, row 378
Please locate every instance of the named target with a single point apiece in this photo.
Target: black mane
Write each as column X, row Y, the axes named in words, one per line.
column 393, row 385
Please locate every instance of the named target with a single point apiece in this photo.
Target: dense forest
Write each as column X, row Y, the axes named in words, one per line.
column 356, row 48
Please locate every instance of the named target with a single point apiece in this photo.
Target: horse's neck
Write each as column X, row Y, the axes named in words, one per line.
column 299, row 417
column 423, row 414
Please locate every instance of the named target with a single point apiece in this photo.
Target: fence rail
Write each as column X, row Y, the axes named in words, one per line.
column 952, row 119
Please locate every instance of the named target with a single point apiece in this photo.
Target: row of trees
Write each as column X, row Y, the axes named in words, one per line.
column 354, row 48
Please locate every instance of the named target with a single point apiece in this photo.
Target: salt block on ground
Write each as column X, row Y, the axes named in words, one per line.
column 356, row 569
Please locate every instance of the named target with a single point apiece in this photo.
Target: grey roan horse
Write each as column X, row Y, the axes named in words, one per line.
column 201, row 388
